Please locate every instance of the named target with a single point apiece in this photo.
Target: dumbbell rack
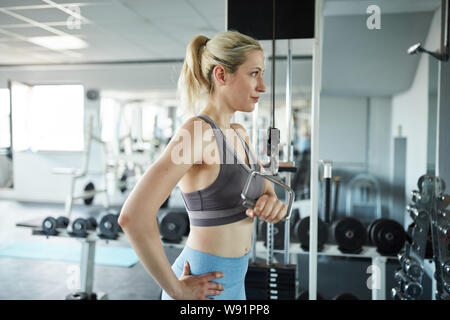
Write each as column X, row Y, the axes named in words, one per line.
column 87, row 258
column 428, row 211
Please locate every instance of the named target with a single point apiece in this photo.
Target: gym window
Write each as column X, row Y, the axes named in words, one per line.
column 48, row 117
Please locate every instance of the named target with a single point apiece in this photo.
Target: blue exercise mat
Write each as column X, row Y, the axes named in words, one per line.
column 104, row 255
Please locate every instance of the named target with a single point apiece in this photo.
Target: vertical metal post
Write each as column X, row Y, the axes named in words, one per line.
column 379, row 278
column 316, row 85
column 288, row 144
column 87, row 266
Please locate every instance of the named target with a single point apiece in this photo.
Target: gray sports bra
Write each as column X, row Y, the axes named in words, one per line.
column 220, row 202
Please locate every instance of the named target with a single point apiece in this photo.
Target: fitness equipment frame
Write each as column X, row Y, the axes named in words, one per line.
column 77, row 174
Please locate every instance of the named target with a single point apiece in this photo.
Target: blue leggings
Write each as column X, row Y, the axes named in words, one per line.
column 234, row 270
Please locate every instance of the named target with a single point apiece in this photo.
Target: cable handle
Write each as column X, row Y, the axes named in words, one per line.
column 250, row 203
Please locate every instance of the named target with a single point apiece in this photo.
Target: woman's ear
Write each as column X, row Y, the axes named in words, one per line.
column 220, row 75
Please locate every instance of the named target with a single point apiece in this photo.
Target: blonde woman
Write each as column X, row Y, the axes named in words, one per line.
column 210, row 159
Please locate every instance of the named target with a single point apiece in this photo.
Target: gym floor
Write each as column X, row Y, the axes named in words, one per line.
column 31, row 279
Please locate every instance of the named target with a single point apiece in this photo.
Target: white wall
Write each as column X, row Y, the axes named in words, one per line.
column 410, row 111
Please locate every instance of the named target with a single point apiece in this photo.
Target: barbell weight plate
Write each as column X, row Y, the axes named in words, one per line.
column 345, row 296
column 88, row 188
column 372, row 228
column 301, row 230
column 369, row 230
column 389, row 237
column 109, row 227
column 49, row 226
column 172, row 226
column 350, row 234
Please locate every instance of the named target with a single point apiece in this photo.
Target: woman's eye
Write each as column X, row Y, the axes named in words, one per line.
column 254, row 74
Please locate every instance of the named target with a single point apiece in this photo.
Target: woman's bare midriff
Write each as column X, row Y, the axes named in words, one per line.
column 230, row 240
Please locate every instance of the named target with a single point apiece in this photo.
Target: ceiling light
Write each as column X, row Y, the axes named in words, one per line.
column 59, row 42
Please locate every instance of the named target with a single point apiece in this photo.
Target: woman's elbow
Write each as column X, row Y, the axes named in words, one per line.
column 124, row 220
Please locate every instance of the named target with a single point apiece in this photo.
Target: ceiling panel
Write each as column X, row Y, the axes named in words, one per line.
column 43, row 15
column 7, row 19
column 157, row 9
column 112, row 12
column 174, row 25
column 85, row 29
column 209, row 7
column 14, row 3
column 89, row 2
column 31, row 32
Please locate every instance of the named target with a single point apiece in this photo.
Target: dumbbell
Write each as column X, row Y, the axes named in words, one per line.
column 173, row 225
column 50, row 224
column 81, row 226
column 109, row 226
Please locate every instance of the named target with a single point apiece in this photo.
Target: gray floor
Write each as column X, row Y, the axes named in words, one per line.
column 30, row 279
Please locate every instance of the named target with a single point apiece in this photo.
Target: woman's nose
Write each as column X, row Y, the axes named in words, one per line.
column 261, row 85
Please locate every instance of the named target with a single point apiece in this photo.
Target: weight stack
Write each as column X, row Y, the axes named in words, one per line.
column 275, row 282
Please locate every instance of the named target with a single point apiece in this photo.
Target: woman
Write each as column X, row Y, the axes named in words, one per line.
column 225, row 73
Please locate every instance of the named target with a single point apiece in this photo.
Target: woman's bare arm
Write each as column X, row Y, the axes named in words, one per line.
column 138, row 215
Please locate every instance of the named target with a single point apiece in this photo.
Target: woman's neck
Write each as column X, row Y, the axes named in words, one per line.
column 220, row 114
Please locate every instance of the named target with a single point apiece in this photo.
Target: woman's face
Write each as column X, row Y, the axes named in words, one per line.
column 246, row 84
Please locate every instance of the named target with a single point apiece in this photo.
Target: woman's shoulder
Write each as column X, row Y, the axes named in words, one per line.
column 194, row 122
column 241, row 129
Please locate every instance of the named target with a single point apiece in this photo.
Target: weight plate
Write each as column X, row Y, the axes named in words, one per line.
column 349, row 234
column 79, row 227
column 109, row 227
column 91, row 223
column 172, row 226
column 371, row 234
column 89, row 187
column 302, row 233
column 389, row 237
column 345, row 296
column 369, row 230
column 49, row 226
column 62, row 222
